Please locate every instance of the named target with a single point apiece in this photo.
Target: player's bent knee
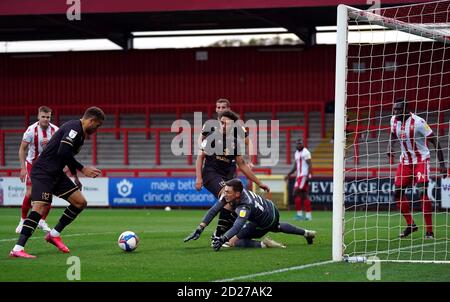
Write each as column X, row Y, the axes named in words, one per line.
column 77, row 199
column 40, row 207
column 81, row 204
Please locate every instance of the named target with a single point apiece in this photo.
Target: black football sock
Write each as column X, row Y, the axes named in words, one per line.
column 290, row 229
column 69, row 215
column 29, row 225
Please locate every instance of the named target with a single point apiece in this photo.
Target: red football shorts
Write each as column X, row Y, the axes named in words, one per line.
column 412, row 174
column 301, row 183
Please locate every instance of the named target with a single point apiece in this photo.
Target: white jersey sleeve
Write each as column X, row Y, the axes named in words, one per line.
column 297, row 155
column 393, row 130
column 306, row 154
column 423, row 128
column 28, row 135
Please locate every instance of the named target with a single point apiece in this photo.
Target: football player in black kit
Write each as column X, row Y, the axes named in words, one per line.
column 221, row 151
column 226, row 217
column 256, row 217
column 49, row 179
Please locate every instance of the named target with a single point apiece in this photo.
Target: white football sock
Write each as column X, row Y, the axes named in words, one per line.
column 17, row 248
column 54, row 233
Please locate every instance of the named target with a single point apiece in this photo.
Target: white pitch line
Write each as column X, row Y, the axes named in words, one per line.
column 69, row 235
column 293, row 268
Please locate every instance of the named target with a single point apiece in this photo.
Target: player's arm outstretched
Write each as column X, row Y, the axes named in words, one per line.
column 209, row 216
column 249, row 174
column 244, row 213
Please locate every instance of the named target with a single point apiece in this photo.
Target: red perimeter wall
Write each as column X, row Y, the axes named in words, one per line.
column 244, row 75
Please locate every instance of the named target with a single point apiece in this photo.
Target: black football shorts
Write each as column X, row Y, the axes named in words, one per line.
column 45, row 186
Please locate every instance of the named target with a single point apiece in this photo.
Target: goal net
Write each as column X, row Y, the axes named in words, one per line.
column 385, row 55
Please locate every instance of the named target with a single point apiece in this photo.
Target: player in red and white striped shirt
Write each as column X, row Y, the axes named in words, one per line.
column 303, row 165
column 413, row 133
column 34, row 139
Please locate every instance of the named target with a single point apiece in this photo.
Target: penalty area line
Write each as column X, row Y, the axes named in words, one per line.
column 293, row 268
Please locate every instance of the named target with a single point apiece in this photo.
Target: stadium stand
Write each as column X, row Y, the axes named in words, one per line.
column 141, row 151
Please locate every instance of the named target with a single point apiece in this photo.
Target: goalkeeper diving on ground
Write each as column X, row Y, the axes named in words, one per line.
column 256, row 216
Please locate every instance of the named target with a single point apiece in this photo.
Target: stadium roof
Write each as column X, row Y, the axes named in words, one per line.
column 117, row 19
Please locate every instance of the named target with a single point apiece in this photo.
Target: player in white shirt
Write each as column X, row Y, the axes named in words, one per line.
column 34, row 140
column 413, row 133
column 303, row 166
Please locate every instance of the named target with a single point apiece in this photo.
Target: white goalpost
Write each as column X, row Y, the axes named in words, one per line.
column 384, row 55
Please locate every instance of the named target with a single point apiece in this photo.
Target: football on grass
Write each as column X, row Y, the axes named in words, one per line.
column 128, row 241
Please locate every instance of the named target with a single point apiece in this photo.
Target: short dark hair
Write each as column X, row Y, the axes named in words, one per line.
column 299, row 141
column 224, row 101
column 229, row 114
column 94, row 113
column 44, row 109
column 236, row 184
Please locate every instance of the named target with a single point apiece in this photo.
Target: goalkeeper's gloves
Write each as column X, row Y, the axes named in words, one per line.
column 195, row 234
column 218, row 242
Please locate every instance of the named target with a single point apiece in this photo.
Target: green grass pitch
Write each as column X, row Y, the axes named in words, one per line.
column 162, row 255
